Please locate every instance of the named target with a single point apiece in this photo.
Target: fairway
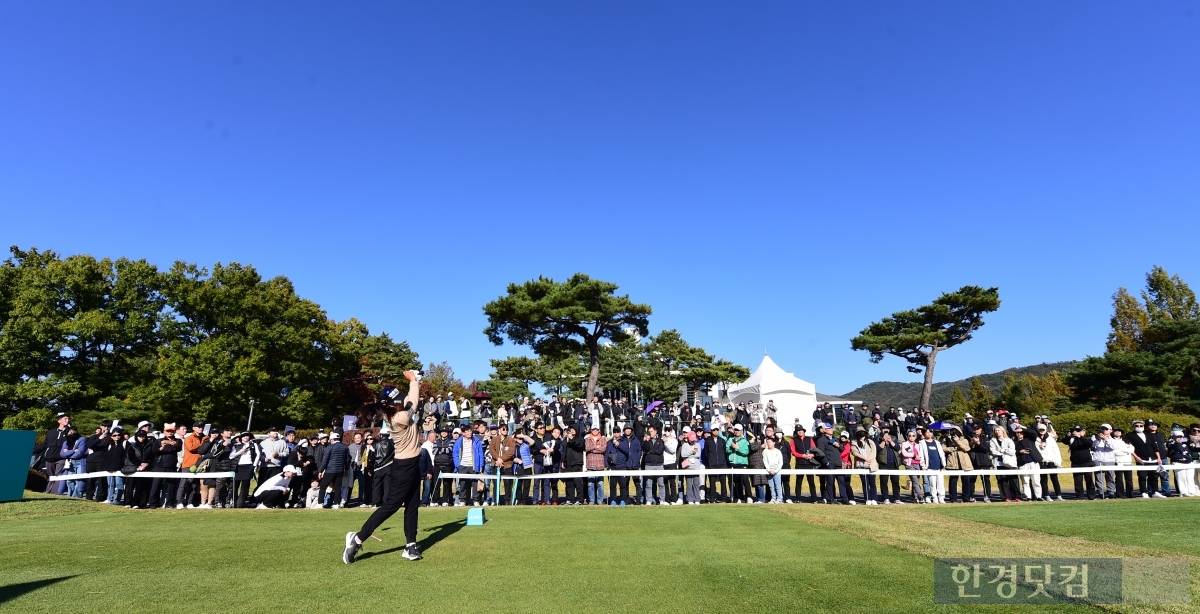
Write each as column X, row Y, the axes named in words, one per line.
column 60, row 552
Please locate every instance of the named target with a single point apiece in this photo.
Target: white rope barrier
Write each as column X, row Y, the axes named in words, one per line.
column 817, row 472
column 140, row 474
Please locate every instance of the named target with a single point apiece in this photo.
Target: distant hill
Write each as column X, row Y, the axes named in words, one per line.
column 907, row 394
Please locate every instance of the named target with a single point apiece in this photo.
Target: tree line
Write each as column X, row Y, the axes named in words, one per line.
column 586, row 338
column 123, row 339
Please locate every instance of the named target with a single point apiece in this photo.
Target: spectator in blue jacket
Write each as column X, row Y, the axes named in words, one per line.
column 468, row 458
column 74, row 451
column 334, row 463
column 624, row 453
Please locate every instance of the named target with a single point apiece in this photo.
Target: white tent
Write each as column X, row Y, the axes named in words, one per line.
column 794, row 397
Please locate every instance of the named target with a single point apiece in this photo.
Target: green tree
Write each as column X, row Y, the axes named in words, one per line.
column 979, row 397
column 561, row 319
column 1166, row 298
column 1164, row 375
column 1035, row 395
column 918, row 335
column 521, row 369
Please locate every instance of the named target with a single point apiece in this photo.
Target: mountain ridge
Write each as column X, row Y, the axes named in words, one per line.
column 908, row 394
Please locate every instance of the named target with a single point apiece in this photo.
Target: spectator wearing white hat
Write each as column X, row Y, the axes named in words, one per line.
column 1104, row 455
column 1047, row 445
column 274, row 491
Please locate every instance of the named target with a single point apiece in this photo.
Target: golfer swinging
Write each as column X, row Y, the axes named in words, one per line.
column 405, row 488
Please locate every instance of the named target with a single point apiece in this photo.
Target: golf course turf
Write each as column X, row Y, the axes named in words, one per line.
column 61, row 555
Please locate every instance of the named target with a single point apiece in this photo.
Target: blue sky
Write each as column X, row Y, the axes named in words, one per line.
column 768, row 176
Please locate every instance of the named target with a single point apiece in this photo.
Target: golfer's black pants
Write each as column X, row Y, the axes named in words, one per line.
column 1085, row 484
column 1050, row 478
column 381, row 484
column 405, row 491
column 618, row 484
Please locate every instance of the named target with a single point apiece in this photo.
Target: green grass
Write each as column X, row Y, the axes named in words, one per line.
column 59, row 554
column 1172, row 525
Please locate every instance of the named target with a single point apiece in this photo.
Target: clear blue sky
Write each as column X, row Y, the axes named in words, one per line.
column 769, row 175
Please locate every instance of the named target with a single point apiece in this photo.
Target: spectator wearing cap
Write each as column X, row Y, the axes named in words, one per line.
column 1047, row 445
column 543, row 459
column 274, row 492
column 1193, row 441
column 214, row 492
column 51, row 450
column 737, row 448
column 1104, row 455
column 595, row 447
column 138, row 456
column 831, row 454
column 653, row 488
column 166, row 460
column 468, row 459
column 802, row 449
column 428, row 473
column 716, row 457
column 1145, row 453
column 523, row 464
column 1179, row 452
column 331, row 471
column 274, row 454
column 186, row 490
column 96, row 488
column 245, row 457
column 73, row 451
column 623, row 453
column 114, row 461
column 503, row 450
column 1029, row 459
column 443, row 462
column 571, row 448
column 933, row 458
column 1081, row 456
column 1160, row 448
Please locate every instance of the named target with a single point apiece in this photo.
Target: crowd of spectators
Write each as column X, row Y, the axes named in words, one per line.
column 530, row 438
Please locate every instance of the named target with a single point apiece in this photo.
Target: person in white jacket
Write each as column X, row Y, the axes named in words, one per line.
column 273, row 492
column 1123, row 455
column 933, row 457
column 1004, row 455
column 1047, row 445
column 773, row 461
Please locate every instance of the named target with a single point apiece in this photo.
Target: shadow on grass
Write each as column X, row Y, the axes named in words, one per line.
column 12, row 591
column 436, row 535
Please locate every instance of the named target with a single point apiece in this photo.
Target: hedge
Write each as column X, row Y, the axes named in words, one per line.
column 1118, row 418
